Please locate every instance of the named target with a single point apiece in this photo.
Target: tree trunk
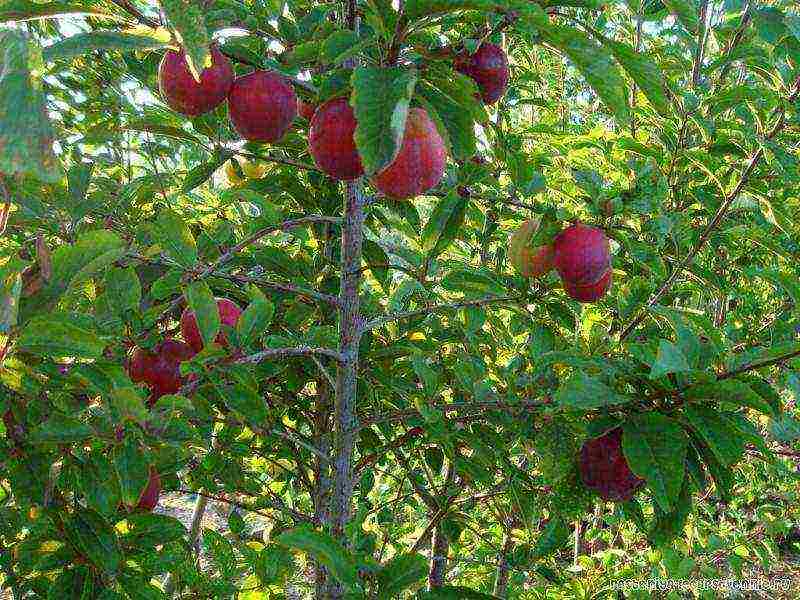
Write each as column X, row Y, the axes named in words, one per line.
column 347, row 374
column 503, row 568
column 440, row 547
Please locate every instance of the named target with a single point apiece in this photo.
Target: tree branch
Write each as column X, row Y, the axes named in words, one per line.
column 757, row 365
column 381, row 321
column 755, row 159
column 270, row 353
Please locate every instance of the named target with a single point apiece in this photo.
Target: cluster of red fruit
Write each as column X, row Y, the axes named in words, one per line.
column 580, row 253
column 262, row 106
column 159, row 369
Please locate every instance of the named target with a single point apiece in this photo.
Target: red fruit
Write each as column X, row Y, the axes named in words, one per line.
column 420, row 164
column 262, row 106
column 149, row 498
column 605, row 470
column 582, row 254
column 330, row 139
column 591, row 292
column 187, row 96
column 229, row 313
column 488, row 67
column 160, row 368
column 306, row 109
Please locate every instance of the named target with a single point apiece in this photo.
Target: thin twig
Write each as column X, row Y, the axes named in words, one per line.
column 758, row 365
column 380, row 321
column 283, row 352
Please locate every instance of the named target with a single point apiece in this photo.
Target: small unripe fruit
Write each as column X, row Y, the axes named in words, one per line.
column 183, row 93
column 251, row 170
column 591, row 292
column 330, row 139
column 262, row 106
column 420, row 164
column 229, row 313
column 604, row 468
column 529, row 261
column 149, row 498
column 582, row 254
column 306, row 109
column 160, row 368
column 488, row 68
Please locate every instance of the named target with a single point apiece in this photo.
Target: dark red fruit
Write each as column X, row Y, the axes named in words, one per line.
column 420, row 164
column 582, row 254
column 330, row 139
column 160, row 368
column 262, row 106
column 591, row 292
column 605, row 470
column 187, row 96
column 229, row 313
column 149, row 498
column 488, row 67
column 306, row 109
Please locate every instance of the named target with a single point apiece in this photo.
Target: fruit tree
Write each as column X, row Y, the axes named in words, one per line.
column 425, row 298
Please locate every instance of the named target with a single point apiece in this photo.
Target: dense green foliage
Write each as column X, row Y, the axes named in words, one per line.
column 398, row 413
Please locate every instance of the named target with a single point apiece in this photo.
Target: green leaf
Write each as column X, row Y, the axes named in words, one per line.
column 380, row 101
column 716, row 431
column 325, row 550
column 400, row 573
column 175, row 238
column 146, row 531
column 187, row 19
column 670, row 359
column 246, row 401
column 472, row 282
column 552, row 539
column 10, row 289
column 201, row 300
column 61, row 429
column 584, row 392
column 596, row 64
column 686, row 12
column 26, row 136
column 444, row 224
column 339, row 46
column 85, row 43
column 203, row 172
column 785, row 429
column 132, row 467
column 376, row 259
column 26, row 10
column 123, row 289
column 256, row 317
column 415, row 9
column 61, row 335
column 644, row 71
column 93, row 537
column 448, row 592
column 669, row 525
column 730, row 390
column 655, row 448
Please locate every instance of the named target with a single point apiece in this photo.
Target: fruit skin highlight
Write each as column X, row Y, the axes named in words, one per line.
column 488, row 68
column 330, row 139
column 604, row 469
column 160, row 368
column 187, row 96
column 229, row 313
column 419, row 166
column 262, row 106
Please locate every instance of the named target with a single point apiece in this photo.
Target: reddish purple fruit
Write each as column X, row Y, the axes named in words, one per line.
column 330, row 139
column 582, row 257
column 488, row 68
column 420, row 164
column 605, row 470
column 262, row 106
column 149, row 498
column 188, row 96
column 229, row 313
column 306, row 109
column 589, row 293
column 160, row 368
